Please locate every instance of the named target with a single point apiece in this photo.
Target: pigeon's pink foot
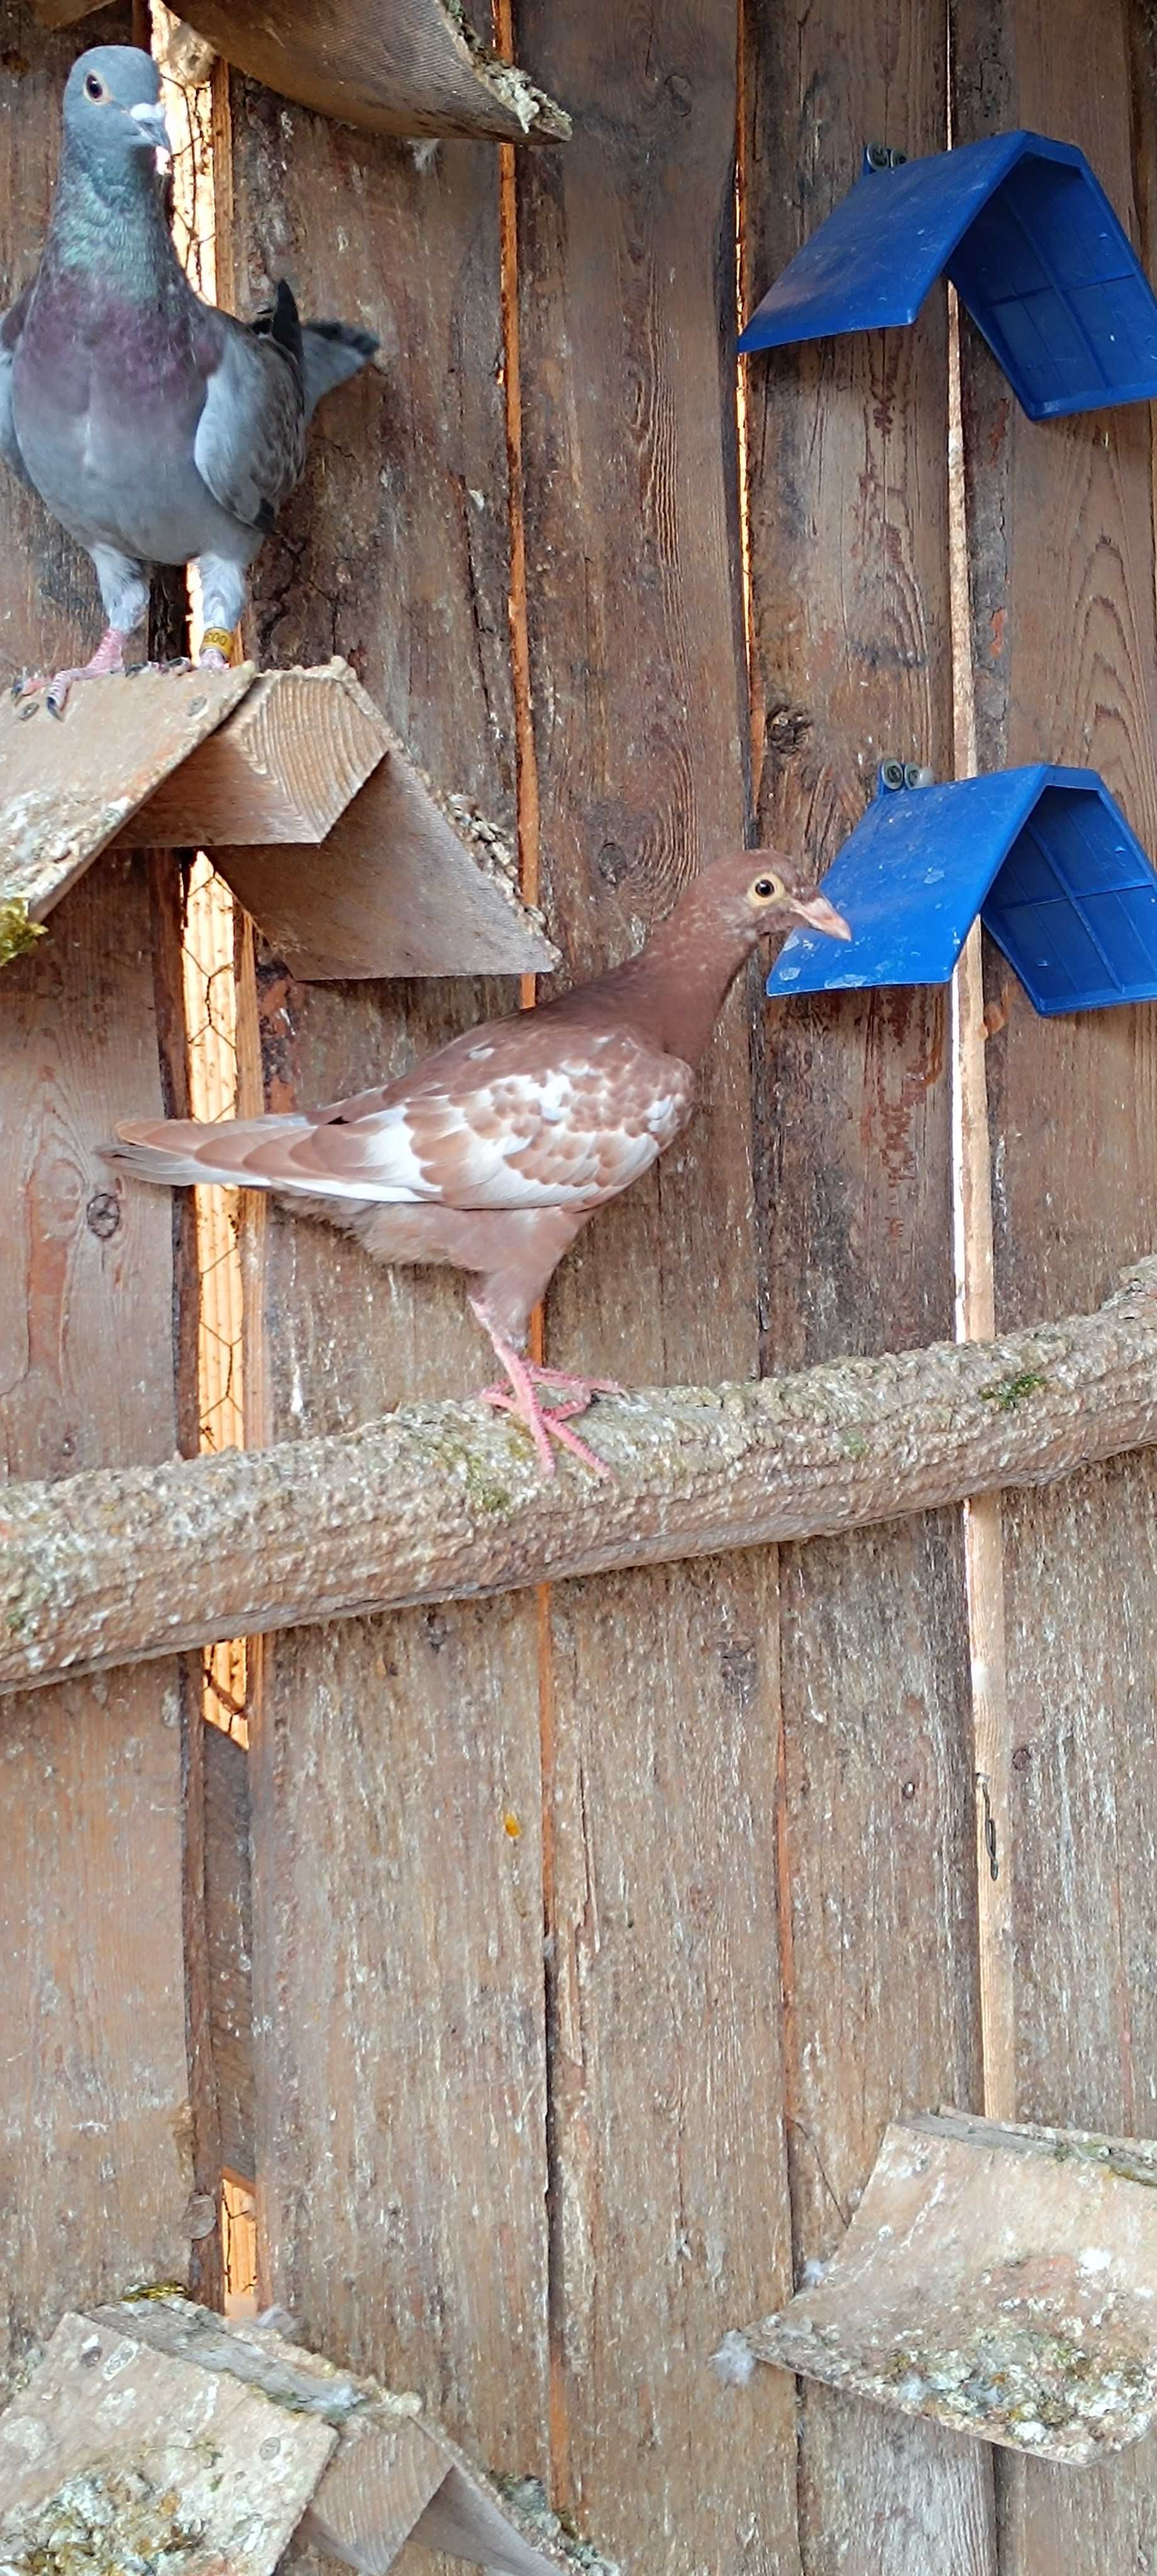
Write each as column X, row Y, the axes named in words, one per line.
column 213, row 659
column 545, row 1422
column 108, row 657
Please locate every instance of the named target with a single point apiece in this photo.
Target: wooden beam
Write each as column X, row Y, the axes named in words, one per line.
column 399, row 66
column 442, row 1503
column 282, row 769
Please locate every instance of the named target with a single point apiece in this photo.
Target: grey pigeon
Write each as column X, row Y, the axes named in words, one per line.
column 157, row 429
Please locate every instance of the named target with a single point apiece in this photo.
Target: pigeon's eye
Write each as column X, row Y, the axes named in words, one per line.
column 94, row 86
column 766, row 889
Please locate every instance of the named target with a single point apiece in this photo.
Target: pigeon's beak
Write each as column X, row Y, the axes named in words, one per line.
column 819, row 914
column 153, row 129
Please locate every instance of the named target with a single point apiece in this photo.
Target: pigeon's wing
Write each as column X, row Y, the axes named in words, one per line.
column 250, row 441
column 11, row 325
column 499, row 1119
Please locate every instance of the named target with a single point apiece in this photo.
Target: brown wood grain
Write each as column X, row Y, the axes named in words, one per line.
column 406, row 67
column 95, row 2150
column 660, row 1709
column 397, row 1919
column 847, row 452
column 1061, row 545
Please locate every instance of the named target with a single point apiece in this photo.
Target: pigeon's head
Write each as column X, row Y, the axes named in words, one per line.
column 759, row 893
column 112, row 107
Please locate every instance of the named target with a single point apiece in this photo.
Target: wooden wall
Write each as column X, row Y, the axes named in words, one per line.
column 596, row 1934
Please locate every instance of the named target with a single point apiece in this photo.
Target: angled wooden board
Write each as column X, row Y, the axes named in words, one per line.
column 69, row 786
column 410, row 67
column 117, row 2448
column 847, row 450
column 1064, row 650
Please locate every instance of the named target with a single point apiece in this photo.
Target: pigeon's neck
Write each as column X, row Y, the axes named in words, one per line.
column 111, row 223
column 676, row 987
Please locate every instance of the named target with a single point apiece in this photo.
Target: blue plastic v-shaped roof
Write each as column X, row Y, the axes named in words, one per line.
column 1044, row 855
column 1032, row 246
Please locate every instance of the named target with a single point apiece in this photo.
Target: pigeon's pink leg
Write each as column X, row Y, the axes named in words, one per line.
column 109, row 656
column 544, row 1422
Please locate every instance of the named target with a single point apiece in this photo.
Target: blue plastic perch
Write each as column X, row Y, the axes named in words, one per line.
column 1032, row 246
column 1046, row 858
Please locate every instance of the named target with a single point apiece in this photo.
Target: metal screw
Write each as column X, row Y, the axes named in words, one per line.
column 892, row 773
column 916, row 775
column 877, row 156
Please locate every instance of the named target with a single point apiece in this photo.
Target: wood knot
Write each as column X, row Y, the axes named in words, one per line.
column 102, row 1216
column 786, row 728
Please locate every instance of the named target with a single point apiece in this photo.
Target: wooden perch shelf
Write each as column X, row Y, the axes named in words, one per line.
column 156, row 2424
column 343, row 851
column 398, row 66
column 443, row 1501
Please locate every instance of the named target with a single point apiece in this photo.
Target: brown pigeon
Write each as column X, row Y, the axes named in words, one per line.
column 493, row 1153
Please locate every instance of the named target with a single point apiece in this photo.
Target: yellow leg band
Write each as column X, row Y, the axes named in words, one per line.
column 218, row 639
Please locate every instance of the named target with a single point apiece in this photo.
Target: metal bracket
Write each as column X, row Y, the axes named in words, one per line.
column 880, row 156
column 893, row 774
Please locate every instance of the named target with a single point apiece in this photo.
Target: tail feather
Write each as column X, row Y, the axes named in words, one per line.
column 331, row 352
column 181, row 1153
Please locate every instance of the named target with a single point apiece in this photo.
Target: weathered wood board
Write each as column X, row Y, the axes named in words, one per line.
column 847, row 456
column 660, row 1706
column 69, row 786
column 407, row 67
column 131, row 2453
column 400, row 2065
column 1065, row 657
column 95, row 2163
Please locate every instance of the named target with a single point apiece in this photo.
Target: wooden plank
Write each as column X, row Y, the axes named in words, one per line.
column 1061, row 540
column 123, row 2452
column 847, row 449
column 661, row 1713
column 68, row 788
column 409, row 882
column 95, row 2164
column 229, row 1928
column 395, row 1764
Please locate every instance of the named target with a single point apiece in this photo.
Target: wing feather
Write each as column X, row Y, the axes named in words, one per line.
column 250, row 441
column 476, row 1128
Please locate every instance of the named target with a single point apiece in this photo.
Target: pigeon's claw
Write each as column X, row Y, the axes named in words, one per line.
column 108, row 657
column 545, row 1422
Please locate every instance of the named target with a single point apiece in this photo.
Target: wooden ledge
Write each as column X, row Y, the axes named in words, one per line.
column 409, row 67
column 340, row 847
column 446, row 1501
column 110, row 2434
